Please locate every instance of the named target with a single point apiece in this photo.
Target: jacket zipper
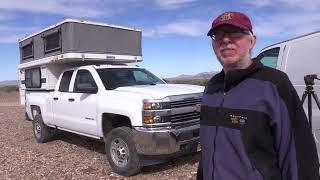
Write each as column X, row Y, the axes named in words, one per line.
column 215, row 137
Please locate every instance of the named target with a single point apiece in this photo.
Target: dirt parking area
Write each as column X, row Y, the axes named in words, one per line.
column 68, row 156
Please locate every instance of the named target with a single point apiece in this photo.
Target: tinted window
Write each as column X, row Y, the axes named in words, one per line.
column 83, row 78
column 33, row 78
column 269, row 57
column 27, row 51
column 65, row 81
column 141, row 77
column 52, row 42
column 118, row 77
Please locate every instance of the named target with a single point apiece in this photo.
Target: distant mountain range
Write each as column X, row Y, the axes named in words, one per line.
column 8, row 83
column 204, row 75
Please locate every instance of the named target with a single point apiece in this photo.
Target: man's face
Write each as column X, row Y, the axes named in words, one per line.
column 232, row 47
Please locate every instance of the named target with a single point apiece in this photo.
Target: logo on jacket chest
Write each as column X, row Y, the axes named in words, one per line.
column 238, row 120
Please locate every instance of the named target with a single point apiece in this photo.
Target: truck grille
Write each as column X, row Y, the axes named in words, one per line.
column 184, row 103
column 184, row 117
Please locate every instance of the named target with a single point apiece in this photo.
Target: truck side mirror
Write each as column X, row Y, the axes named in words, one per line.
column 86, row 88
column 165, row 80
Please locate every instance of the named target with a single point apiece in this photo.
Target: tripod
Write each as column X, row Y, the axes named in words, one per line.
column 309, row 81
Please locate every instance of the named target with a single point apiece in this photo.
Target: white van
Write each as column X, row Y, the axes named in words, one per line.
column 298, row 57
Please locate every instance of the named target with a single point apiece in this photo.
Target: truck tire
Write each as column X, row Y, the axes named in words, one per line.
column 121, row 152
column 41, row 132
column 27, row 117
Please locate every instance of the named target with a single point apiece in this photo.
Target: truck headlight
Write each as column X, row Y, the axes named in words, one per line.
column 150, row 119
column 155, row 111
column 155, row 104
column 152, row 105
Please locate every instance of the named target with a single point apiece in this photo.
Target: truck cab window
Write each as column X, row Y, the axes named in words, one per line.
column 143, row 78
column 113, row 78
column 65, row 81
column 269, row 57
column 83, row 78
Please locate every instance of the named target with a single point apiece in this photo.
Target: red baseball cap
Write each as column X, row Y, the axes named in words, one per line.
column 236, row 19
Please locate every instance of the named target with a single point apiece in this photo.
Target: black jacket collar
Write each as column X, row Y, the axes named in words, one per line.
column 225, row 82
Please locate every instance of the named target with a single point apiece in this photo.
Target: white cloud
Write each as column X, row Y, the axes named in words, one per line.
column 260, row 3
column 10, row 34
column 191, row 28
column 288, row 17
column 287, row 24
column 10, row 9
column 173, row 4
column 299, row 4
column 9, row 38
column 5, row 16
column 78, row 8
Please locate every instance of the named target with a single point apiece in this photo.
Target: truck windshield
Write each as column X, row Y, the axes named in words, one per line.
column 269, row 57
column 113, row 78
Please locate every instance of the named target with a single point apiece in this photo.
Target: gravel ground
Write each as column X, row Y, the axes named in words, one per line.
column 68, row 156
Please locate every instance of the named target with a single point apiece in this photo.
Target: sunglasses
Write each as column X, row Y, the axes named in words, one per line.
column 232, row 35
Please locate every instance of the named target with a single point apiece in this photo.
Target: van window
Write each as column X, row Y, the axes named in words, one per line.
column 33, row 78
column 65, row 81
column 269, row 57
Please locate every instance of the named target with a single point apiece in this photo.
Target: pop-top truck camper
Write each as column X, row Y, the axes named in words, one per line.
column 71, row 43
column 76, row 76
column 298, row 57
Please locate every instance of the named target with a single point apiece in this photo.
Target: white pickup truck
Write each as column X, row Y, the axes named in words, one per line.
column 137, row 114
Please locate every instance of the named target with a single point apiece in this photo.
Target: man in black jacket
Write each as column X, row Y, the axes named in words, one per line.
column 252, row 125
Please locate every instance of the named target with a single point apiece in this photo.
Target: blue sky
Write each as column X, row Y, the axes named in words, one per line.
column 174, row 31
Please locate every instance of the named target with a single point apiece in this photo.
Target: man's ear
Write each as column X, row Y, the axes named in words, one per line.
column 253, row 41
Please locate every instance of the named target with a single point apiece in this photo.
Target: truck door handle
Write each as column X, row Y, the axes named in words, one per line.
column 55, row 98
column 71, row 99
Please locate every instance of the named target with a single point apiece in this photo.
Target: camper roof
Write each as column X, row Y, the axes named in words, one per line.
column 80, row 21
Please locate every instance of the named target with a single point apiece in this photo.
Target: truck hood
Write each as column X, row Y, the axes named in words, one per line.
column 161, row 91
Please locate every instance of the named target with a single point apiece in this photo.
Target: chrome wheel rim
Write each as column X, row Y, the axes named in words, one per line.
column 119, row 152
column 37, row 130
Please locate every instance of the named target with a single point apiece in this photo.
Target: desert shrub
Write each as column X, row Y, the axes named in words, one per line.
column 9, row 88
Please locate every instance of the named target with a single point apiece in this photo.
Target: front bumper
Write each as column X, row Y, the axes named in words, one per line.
column 165, row 141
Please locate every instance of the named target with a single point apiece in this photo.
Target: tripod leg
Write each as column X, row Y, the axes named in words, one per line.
column 310, row 110
column 316, row 99
column 303, row 97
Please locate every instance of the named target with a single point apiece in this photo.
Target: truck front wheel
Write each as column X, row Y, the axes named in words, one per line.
column 41, row 131
column 121, row 152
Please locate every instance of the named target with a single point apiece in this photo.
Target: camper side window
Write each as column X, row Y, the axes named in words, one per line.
column 27, row 51
column 269, row 57
column 33, row 78
column 65, row 81
column 52, row 42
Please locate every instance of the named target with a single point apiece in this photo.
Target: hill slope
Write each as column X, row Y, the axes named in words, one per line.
column 8, row 83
